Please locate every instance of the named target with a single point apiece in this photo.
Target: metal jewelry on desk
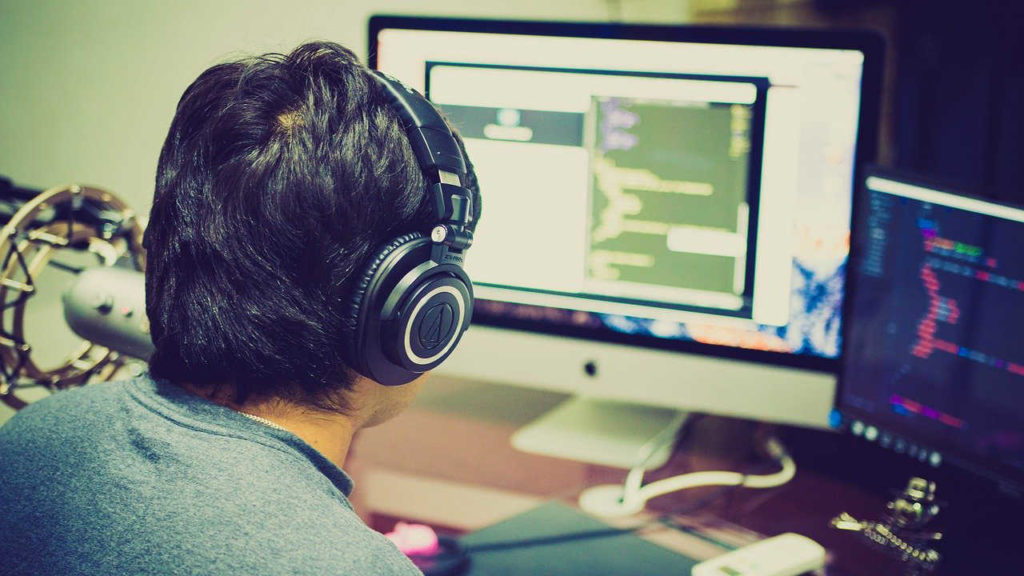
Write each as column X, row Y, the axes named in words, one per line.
column 902, row 532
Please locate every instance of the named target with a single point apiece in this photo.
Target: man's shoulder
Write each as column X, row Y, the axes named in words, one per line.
column 97, row 473
column 341, row 545
column 265, row 537
column 73, row 408
column 199, row 535
column 56, row 436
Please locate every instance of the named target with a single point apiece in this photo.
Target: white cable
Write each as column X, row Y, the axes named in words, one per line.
column 697, row 479
column 632, row 496
column 667, row 436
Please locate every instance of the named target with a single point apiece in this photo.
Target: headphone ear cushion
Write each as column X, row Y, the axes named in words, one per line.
column 358, row 295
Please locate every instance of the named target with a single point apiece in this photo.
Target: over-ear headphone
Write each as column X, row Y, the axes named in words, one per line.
column 414, row 301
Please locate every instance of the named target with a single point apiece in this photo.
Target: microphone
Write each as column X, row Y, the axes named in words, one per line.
column 107, row 306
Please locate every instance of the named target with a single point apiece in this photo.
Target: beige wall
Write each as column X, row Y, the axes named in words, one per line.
column 88, row 88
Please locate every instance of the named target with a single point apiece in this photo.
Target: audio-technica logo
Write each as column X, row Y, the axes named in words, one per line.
column 437, row 325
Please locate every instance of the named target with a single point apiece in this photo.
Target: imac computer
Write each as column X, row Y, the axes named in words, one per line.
column 934, row 365
column 666, row 210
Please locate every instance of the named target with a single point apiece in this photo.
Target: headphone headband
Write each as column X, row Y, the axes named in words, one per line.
column 441, row 161
column 431, row 139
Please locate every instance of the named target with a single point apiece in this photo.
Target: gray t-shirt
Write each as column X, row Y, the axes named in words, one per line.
column 142, row 477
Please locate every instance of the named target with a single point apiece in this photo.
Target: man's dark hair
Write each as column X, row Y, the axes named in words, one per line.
column 279, row 175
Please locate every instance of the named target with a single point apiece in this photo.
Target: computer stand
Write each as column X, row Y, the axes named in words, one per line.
column 604, row 432
column 639, row 438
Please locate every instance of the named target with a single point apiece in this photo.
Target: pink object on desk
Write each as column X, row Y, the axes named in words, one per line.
column 414, row 539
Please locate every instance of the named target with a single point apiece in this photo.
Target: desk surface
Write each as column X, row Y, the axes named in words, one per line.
column 464, row 476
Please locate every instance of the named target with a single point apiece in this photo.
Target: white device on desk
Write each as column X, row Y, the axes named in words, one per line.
column 787, row 554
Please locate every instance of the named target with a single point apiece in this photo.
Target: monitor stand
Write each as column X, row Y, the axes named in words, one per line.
column 604, row 432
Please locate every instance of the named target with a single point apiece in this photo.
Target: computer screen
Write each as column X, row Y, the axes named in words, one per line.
column 672, row 188
column 934, row 364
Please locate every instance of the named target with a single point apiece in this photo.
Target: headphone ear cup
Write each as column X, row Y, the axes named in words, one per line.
column 409, row 312
column 357, row 312
column 431, row 316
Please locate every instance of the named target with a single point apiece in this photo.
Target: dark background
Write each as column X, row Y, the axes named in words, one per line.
column 958, row 92
column 954, row 81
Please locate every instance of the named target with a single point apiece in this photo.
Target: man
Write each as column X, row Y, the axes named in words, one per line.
column 279, row 178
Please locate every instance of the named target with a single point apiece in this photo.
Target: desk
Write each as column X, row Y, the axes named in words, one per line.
column 448, row 462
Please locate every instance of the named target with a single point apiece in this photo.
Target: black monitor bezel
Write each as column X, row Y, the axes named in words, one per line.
column 868, row 43
column 1010, row 481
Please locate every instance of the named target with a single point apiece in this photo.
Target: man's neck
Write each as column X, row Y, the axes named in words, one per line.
column 330, row 433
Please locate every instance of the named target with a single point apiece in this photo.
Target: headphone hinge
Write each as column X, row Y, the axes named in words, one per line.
column 452, row 204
